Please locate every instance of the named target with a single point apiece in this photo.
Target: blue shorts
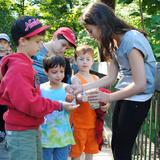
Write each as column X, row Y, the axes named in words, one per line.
column 56, row 153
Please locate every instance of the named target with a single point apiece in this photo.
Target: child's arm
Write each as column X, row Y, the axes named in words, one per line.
column 105, row 107
column 23, row 94
column 69, row 106
column 75, row 81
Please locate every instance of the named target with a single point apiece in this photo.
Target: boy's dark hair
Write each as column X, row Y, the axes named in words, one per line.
column 53, row 61
column 60, row 36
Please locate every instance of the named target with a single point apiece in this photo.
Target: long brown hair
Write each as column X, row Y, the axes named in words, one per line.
column 102, row 16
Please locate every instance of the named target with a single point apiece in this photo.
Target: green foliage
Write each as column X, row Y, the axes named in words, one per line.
column 154, row 33
column 130, row 13
column 150, row 6
column 5, row 22
column 58, row 13
column 6, row 19
column 126, row 1
column 84, row 39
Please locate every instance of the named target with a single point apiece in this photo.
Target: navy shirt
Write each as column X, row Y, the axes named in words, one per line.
column 38, row 66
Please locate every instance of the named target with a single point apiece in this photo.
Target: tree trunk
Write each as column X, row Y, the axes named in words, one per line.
column 110, row 3
column 141, row 14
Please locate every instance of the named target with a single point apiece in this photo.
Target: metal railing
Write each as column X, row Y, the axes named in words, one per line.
column 147, row 145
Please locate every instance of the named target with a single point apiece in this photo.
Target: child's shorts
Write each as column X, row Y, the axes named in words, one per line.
column 85, row 142
column 24, row 145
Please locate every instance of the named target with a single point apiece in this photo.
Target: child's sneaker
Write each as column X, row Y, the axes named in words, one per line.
column 2, row 136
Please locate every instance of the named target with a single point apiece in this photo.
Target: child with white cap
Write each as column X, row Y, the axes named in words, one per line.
column 4, row 50
column 5, row 47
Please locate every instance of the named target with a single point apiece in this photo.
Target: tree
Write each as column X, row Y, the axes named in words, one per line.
column 150, row 6
column 6, row 19
column 111, row 3
column 149, row 13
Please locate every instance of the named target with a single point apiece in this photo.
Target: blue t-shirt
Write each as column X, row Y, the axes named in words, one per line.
column 38, row 66
column 56, row 129
column 134, row 39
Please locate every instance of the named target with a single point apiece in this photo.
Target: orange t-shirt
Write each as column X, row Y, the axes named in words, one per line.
column 83, row 116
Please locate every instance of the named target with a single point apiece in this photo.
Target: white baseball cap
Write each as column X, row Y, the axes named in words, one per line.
column 5, row 37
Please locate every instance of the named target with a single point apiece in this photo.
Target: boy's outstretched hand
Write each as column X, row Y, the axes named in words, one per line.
column 69, row 106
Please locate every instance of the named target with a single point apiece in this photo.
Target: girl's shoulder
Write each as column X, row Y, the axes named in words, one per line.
column 132, row 35
column 132, row 39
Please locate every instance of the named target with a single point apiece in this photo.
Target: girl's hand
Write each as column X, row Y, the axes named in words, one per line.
column 77, row 89
column 95, row 96
column 69, row 89
column 79, row 97
column 74, row 89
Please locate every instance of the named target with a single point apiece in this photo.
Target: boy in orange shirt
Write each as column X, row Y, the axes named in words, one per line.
column 83, row 118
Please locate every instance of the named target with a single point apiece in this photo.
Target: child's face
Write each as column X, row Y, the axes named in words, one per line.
column 60, row 46
column 32, row 45
column 56, row 74
column 93, row 31
column 4, row 47
column 84, row 61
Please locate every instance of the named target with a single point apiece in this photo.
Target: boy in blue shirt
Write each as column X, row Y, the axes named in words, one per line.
column 63, row 39
column 56, row 130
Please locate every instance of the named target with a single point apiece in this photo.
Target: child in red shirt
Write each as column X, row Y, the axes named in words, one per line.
column 19, row 91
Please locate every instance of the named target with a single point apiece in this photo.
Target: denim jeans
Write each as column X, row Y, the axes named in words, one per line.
column 24, row 145
column 56, row 153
